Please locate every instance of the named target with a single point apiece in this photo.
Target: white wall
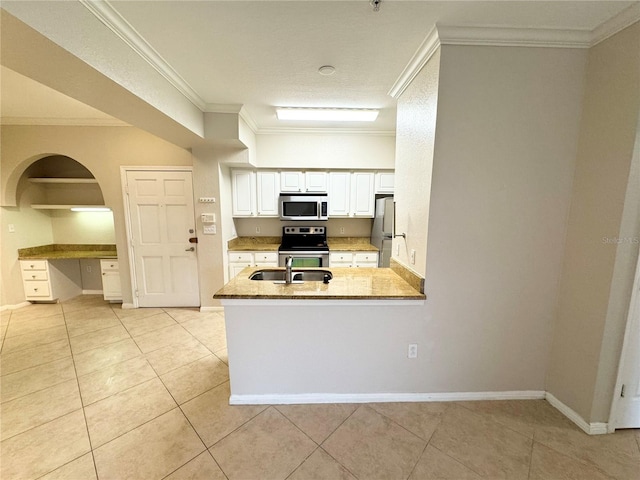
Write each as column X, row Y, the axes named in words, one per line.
column 82, row 227
column 325, row 151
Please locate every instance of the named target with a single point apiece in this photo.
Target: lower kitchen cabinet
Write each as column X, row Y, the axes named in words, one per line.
column 353, row 259
column 241, row 260
column 111, row 287
column 36, row 280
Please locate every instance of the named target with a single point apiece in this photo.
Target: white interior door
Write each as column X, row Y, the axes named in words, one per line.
column 627, row 404
column 162, row 221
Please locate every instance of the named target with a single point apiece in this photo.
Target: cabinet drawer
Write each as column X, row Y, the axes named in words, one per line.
column 28, row 265
column 35, row 275
column 109, row 265
column 266, row 257
column 37, row 289
column 340, row 257
column 366, row 257
column 243, row 257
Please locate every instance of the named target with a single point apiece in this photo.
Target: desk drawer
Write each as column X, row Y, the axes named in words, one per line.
column 37, row 289
column 29, row 275
column 28, row 265
column 266, row 257
column 109, row 265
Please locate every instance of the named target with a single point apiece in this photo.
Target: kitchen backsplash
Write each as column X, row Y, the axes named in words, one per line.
column 272, row 227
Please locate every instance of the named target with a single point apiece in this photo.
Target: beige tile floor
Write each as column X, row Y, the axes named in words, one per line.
column 92, row 391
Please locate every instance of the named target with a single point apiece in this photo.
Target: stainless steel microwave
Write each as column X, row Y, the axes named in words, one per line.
column 304, row 206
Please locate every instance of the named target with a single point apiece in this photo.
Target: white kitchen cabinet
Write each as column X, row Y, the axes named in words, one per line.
column 363, row 199
column 353, row 259
column 291, row 182
column 315, row 182
column 111, row 287
column 339, row 194
column 50, row 280
column 385, row 182
column 268, row 192
column 351, row 194
column 243, row 192
column 241, row 260
column 36, row 280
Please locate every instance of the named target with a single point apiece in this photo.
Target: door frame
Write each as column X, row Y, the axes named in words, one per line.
column 127, row 217
column 633, row 316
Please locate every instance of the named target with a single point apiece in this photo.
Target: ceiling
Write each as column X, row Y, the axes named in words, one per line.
column 263, row 54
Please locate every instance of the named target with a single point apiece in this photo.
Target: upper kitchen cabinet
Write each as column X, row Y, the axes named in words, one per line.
column 268, row 193
column 303, row 182
column 385, row 182
column 243, row 191
column 351, row 194
column 254, row 194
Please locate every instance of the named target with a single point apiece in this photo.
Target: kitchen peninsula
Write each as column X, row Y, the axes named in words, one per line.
column 345, row 341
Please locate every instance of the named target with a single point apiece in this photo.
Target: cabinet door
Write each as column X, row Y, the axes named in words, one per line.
column 236, row 268
column 315, row 181
column 265, row 259
column 111, row 289
column 339, row 193
column 243, row 191
column 365, row 259
column 291, row 182
column 268, row 192
column 340, row 259
column 362, row 194
column 385, row 182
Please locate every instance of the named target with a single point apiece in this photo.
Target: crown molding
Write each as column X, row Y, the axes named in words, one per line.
column 513, row 37
column 249, row 120
column 424, row 53
column 63, row 122
column 612, row 26
column 222, row 108
column 110, row 17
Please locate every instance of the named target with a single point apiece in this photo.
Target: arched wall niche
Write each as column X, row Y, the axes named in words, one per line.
column 50, row 167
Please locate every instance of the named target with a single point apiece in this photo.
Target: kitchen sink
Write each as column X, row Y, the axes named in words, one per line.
column 298, row 275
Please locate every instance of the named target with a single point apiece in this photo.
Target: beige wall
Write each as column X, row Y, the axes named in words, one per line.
column 502, row 168
column 588, row 331
column 415, row 137
column 325, row 151
column 102, row 150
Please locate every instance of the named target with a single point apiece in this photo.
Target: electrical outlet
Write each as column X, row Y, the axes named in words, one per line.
column 12, row 228
column 88, row 268
column 257, row 229
column 412, row 351
column 413, row 256
column 341, row 229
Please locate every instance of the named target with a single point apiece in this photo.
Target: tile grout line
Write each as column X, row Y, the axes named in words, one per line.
column 458, row 461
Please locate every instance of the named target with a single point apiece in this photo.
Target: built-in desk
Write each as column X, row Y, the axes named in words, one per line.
column 52, row 272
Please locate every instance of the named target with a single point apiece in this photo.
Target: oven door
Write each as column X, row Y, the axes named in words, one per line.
column 304, row 259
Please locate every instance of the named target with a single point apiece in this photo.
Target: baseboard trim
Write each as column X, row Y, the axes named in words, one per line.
column 127, row 306
column 595, row 428
column 92, row 292
column 212, row 309
column 14, row 307
column 304, row 398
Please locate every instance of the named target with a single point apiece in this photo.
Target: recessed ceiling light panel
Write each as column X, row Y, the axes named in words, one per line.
column 327, row 114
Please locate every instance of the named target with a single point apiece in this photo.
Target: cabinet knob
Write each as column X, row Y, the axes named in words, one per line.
column 33, row 276
column 35, row 289
column 31, row 266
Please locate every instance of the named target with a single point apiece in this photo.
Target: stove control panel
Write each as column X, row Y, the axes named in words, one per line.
column 304, row 230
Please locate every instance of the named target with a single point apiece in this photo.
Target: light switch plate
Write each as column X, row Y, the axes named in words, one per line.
column 209, row 230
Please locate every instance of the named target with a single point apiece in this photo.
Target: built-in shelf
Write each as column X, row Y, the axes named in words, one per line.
column 62, row 207
column 61, row 180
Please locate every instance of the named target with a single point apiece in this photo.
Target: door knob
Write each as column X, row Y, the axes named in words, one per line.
column 192, row 249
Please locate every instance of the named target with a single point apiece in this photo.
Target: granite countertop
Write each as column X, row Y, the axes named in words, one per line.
column 61, row 251
column 271, row 244
column 347, row 284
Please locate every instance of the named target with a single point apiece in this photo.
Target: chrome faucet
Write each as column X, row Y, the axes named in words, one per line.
column 288, row 277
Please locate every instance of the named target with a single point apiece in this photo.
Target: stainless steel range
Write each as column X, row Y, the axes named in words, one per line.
column 306, row 245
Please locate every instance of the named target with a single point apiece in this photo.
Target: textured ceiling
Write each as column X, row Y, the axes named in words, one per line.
column 263, row 54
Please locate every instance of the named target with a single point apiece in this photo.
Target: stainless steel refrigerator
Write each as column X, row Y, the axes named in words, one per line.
column 382, row 231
